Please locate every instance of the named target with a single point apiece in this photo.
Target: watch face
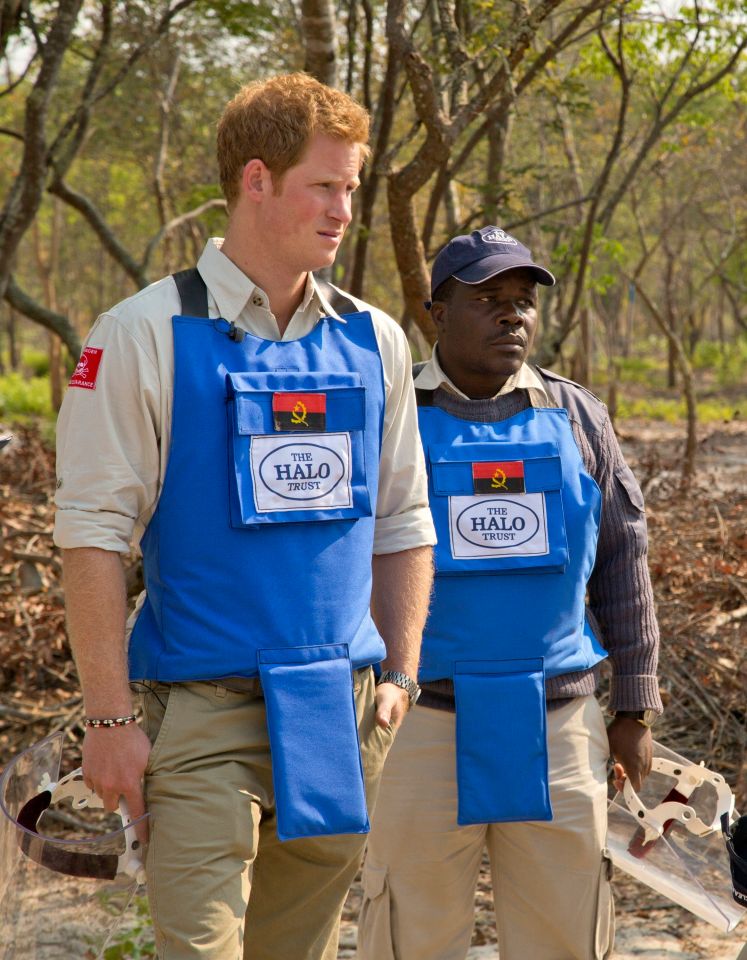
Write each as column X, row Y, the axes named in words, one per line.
column 649, row 717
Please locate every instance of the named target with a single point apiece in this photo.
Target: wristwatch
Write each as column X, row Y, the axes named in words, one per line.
column 401, row 680
column 645, row 717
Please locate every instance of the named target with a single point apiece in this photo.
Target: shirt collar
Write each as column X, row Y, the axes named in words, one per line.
column 432, row 376
column 232, row 290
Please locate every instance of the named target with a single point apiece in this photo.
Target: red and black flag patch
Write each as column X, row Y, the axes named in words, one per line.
column 498, row 476
column 299, row 411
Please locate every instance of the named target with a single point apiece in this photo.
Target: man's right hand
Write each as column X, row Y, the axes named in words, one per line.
column 114, row 761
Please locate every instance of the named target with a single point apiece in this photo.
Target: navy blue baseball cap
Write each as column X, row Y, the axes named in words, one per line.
column 484, row 254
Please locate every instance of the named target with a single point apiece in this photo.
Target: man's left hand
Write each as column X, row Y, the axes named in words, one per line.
column 392, row 703
column 631, row 747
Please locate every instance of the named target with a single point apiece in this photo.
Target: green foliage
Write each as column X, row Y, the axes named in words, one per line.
column 729, row 362
column 135, row 941
column 20, row 396
column 674, row 411
column 640, row 369
column 35, row 361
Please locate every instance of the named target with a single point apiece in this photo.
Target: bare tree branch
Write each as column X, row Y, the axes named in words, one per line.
column 100, row 227
column 55, row 322
column 25, row 195
column 177, row 222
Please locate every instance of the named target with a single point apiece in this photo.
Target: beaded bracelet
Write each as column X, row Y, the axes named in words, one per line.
column 114, row 722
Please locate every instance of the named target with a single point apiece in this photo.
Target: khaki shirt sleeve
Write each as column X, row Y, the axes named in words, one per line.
column 108, row 443
column 403, row 518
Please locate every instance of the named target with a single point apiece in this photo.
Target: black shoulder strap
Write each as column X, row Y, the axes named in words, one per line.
column 193, row 294
column 192, row 291
column 335, row 298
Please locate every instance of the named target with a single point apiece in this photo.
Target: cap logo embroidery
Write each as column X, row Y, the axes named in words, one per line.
column 499, row 236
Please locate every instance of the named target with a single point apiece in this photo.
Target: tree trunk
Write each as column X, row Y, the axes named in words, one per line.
column 318, row 25
column 410, row 256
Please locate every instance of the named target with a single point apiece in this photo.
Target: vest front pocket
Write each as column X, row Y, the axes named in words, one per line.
column 501, row 741
column 296, row 447
column 498, row 508
column 316, row 762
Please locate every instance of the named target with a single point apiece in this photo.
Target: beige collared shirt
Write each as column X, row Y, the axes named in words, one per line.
column 431, row 377
column 113, row 439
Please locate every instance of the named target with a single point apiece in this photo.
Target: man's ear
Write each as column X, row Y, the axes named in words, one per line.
column 256, row 179
column 439, row 312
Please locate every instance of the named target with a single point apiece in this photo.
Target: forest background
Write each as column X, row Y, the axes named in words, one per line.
column 610, row 137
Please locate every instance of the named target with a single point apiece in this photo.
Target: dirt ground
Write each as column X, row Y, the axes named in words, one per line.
column 698, row 559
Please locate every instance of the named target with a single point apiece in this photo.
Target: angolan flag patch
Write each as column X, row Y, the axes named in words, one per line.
column 505, row 476
column 88, row 368
column 299, row 411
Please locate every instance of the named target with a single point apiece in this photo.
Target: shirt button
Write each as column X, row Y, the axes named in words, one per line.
column 258, row 301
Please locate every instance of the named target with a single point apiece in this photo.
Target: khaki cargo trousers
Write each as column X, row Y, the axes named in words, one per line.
column 550, row 880
column 221, row 886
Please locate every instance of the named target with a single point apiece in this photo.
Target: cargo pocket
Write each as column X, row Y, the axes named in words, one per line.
column 316, row 761
column 375, row 940
column 501, row 734
column 604, row 928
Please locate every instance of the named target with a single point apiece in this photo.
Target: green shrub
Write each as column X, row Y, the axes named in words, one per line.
column 24, row 397
column 674, row 411
column 639, row 369
column 729, row 362
column 35, row 361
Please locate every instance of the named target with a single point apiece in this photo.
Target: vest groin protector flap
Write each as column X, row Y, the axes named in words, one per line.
column 297, row 450
column 64, row 891
column 668, row 836
column 501, row 741
column 500, row 507
column 316, row 762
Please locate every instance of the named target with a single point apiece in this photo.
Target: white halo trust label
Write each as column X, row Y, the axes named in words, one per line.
column 490, row 527
column 311, row 471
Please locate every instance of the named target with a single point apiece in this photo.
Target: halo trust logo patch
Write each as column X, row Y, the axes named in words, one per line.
column 499, row 236
column 508, row 525
column 301, row 474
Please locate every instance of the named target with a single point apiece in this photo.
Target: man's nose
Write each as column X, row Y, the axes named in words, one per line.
column 510, row 312
column 341, row 208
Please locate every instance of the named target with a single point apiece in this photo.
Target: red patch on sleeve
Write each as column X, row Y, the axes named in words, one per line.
column 87, row 369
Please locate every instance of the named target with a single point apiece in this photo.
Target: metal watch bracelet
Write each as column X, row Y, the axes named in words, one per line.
column 400, row 679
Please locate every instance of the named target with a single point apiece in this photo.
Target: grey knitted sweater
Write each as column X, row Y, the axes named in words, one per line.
column 619, row 597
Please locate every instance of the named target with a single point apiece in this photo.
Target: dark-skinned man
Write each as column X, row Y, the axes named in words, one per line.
column 541, row 574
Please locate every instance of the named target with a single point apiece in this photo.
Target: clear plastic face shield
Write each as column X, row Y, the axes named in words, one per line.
column 68, row 870
column 671, row 836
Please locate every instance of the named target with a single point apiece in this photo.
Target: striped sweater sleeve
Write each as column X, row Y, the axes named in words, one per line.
column 619, row 590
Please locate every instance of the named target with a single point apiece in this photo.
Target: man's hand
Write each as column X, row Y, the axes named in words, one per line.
column 631, row 747
column 392, row 703
column 114, row 760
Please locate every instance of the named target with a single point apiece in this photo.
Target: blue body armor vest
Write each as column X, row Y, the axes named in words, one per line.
column 258, row 557
column 263, row 532
column 517, row 518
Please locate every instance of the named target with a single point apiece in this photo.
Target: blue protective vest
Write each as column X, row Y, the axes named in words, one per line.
column 517, row 518
column 263, row 533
